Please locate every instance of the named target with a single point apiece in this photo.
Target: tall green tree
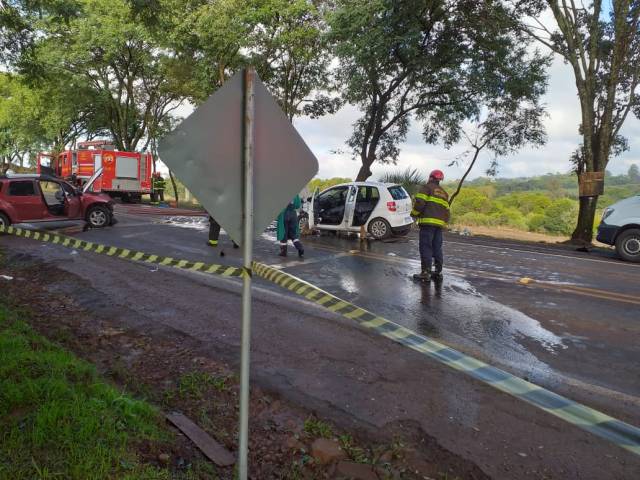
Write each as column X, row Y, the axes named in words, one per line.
column 601, row 43
column 283, row 39
column 20, row 131
column 136, row 82
column 290, row 52
column 429, row 61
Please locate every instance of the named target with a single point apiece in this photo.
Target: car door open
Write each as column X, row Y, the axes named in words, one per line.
column 331, row 206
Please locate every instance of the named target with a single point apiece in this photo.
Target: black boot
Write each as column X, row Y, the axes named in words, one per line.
column 299, row 247
column 283, row 251
column 437, row 272
column 425, row 273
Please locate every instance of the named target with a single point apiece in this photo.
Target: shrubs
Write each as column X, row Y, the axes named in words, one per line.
column 532, row 211
column 560, row 217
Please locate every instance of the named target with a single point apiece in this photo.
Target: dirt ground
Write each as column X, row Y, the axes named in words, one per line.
column 163, row 367
column 511, row 234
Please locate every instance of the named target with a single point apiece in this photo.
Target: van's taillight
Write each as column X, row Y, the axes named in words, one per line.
column 392, row 206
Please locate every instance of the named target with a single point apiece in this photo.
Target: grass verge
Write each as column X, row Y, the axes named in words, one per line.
column 58, row 419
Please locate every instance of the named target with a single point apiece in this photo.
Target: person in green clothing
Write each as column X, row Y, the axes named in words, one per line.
column 288, row 227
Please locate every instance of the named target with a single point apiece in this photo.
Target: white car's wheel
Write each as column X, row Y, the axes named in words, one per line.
column 303, row 223
column 628, row 245
column 379, row 228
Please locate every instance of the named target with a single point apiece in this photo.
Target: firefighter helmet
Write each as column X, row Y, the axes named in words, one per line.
column 437, row 175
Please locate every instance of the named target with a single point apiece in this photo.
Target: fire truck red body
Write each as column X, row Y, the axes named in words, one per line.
column 124, row 174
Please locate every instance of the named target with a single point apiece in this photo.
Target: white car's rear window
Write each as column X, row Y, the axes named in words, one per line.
column 398, row 193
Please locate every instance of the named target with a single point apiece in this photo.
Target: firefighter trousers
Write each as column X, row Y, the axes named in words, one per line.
column 431, row 247
column 214, row 230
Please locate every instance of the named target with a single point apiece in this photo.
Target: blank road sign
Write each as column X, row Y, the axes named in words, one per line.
column 205, row 152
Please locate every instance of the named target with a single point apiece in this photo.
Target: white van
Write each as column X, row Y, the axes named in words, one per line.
column 384, row 209
column 620, row 226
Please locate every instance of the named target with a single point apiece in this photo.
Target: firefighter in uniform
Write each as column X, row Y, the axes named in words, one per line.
column 214, row 233
column 158, row 185
column 431, row 213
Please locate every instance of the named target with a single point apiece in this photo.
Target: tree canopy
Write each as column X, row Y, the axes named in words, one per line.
column 435, row 62
column 601, row 43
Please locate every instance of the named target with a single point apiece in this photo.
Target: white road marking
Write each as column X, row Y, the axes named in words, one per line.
column 572, row 257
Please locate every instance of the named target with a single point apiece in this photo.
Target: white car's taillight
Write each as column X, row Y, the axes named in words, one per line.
column 391, row 206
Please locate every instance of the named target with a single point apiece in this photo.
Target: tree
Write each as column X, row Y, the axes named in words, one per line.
column 283, row 39
column 634, row 173
column 291, row 54
column 432, row 61
column 212, row 36
column 602, row 46
column 512, row 115
column 136, row 82
column 20, row 131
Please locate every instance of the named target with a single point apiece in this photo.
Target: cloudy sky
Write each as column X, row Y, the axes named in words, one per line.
column 329, row 133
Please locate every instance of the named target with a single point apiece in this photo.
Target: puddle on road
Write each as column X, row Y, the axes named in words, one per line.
column 453, row 311
column 194, row 223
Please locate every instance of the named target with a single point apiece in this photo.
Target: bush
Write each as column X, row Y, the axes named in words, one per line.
column 535, row 222
column 474, row 219
column 526, row 202
column 410, row 179
column 509, row 217
column 471, row 201
column 560, row 217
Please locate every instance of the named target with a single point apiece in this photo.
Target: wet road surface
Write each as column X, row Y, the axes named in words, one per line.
column 575, row 329
column 581, row 345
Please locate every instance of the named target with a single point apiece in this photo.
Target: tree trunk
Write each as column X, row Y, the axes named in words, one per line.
column 175, row 187
column 363, row 174
column 365, row 170
column 583, row 234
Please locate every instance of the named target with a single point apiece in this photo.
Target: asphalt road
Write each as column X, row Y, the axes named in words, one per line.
column 574, row 330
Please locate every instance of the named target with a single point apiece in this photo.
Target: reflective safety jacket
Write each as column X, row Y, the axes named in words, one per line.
column 158, row 183
column 431, row 206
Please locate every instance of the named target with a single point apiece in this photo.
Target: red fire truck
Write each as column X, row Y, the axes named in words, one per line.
column 126, row 175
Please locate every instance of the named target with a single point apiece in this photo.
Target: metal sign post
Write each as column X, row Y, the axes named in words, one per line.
column 241, row 120
column 247, row 244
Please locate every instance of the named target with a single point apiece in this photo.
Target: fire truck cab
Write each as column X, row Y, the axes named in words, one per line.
column 125, row 175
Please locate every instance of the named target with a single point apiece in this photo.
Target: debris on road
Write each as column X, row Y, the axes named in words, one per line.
column 210, row 447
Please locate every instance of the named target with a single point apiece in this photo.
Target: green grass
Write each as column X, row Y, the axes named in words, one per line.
column 59, row 420
column 317, row 428
column 195, row 384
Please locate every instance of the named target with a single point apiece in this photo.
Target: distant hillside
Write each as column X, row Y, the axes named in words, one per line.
column 544, row 204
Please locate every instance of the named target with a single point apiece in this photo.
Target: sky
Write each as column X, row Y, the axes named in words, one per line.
column 329, row 133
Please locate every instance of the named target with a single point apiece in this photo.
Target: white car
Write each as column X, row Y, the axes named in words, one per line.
column 383, row 208
column 620, row 226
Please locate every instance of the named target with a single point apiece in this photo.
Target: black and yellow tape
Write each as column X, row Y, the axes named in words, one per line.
column 620, row 433
column 70, row 242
